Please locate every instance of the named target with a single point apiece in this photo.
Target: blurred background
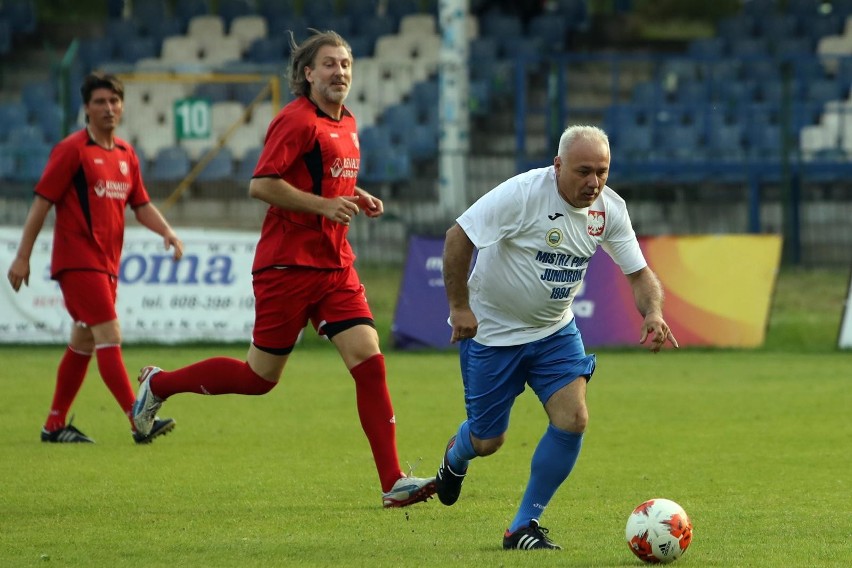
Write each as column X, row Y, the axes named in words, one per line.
column 724, row 117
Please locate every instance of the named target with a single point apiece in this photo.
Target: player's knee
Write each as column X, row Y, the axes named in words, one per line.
column 488, row 446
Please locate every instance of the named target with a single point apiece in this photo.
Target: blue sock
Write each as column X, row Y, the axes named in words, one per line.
column 552, row 462
column 462, row 451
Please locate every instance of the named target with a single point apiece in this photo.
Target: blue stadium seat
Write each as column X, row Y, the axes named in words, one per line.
column 25, row 136
column 185, row 10
column 95, row 52
column 36, row 94
column 424, row 96
column 501, row 27
column 150, row 14
column 8, row 162
column 725, row 142
column 422, row 142
column 120, row 30
column 681, row 141
column 268, row 50
column 552, row 29
column 399, row 8
column 136, row 48
column 171, row 164
column 231, row 9
column 245, row 167
column 576, row 13
column 31, row 161
column 21, row 15
column 319, row 10
column 361, row 46
column 12, row 115
column 220, row 167
column 707, row 48
column 50, row 118
column 357, row 9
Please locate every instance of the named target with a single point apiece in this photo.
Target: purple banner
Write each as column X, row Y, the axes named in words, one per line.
column 420, row 320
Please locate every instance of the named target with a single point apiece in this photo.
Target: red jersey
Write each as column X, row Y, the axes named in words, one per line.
column 317, row 154
column 90, row 187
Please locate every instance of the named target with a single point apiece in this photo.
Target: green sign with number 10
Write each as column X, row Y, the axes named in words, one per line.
column 192, row 119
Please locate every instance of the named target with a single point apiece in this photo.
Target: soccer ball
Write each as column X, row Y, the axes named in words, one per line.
column 658, row 531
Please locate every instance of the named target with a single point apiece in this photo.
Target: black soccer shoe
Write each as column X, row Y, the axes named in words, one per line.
column 447, row 482
column 529, row 538
column 162, row 426
column 66, row 435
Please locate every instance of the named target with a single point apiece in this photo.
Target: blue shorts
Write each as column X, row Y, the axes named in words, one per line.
column 494, row 376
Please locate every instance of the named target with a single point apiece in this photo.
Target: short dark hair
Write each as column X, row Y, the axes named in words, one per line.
column 99, row 80
column 303, row 55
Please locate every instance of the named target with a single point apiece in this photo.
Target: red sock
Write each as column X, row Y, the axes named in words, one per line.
column 219, row 375
column 114, row 374
column 377, row 419
column 69, row 379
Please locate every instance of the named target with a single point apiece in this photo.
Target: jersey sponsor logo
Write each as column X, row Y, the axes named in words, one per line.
column 345, row 167
column 111, row 189
column 553, row 238
column 597, row 223
column 555, row 216
column 123, row 167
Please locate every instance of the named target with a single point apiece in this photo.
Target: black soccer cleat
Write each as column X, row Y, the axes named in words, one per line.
column 161, row 427
column 65, row 435
column 448, row 483
column 529, row 538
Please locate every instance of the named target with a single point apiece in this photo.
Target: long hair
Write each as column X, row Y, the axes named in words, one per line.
column 303, row 55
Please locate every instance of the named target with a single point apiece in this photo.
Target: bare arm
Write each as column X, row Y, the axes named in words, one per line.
column 648, row 295
column 19, row 271
column 458, row 252
column 279, row 193
column 150, row 217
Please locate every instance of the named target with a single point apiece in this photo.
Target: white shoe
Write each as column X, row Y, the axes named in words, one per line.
column 147, row 405
column 409, row 490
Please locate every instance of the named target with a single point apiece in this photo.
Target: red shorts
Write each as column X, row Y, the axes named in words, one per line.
column 89, row 295
column 287, row 298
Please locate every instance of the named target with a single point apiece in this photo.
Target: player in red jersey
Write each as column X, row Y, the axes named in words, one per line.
column 303, row 267
column 90, row 178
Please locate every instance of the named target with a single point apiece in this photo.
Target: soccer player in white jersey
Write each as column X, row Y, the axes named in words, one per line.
column 535, row 234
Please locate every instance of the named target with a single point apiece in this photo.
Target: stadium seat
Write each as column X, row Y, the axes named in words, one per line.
column 318, row 10
column 220, row 167
column 416, row 24
column 134, row 49
column 230, row 10
column 248, row 28
column 170, row 164
column 50, row 118
column 247, row 164
column 551, row 29
column 8, row 162
column 187, row 10
column 213, row 92
column 222, row 51
column 31, row 161
column 268, row 50
column 422, row 142
column 181, row 49
column 206, row 28
column 224, row 115
column 400, row 8
column 5, row 36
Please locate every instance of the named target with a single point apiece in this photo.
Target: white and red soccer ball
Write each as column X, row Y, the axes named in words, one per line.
column 658, row 531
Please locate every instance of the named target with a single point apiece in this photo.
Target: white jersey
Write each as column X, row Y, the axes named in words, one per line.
column 534, row 249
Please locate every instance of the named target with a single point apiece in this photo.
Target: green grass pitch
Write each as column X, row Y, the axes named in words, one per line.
column 755, row 445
